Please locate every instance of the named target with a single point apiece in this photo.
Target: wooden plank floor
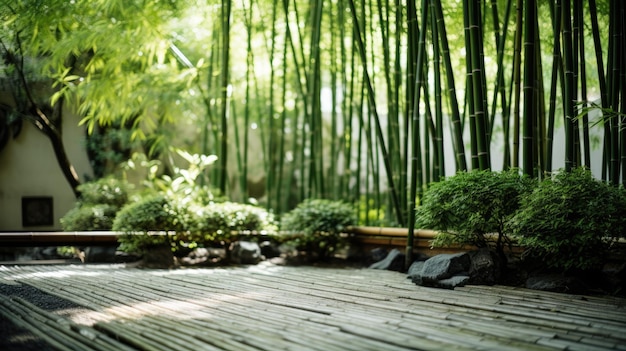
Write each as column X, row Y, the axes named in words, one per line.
column 268, row 307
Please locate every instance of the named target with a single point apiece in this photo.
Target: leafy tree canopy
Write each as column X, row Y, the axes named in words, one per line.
column 113, row 60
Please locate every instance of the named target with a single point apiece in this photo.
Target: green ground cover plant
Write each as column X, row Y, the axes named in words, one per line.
column 568, row 222
column 220, row 221
column 97, row 206
column 156, row 213
column 571, row 221
column 317, row 224
column 89, row 217
column 473, row 208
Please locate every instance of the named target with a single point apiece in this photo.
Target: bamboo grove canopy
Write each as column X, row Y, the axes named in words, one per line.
column 367, row 101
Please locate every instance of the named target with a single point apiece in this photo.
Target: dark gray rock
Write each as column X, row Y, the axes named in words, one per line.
column 197, row 256
column 415, row 272
column 126, row 257
column 484, row 267
column 158, row 256
column 378, row 254
column 49, row 252
column 100, row 254
column 393, row 262
column 556, row 283
column 269, row 249
column 444, row 266
column 614, row 276
column 453, row 282
column 245, row 252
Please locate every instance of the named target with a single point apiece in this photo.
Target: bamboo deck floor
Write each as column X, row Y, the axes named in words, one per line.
column 269, row 307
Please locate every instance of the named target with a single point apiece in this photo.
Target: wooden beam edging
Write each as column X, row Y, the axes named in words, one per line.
column 390, row 231
column 110, row 237
column 83, row 238
column 94, row 238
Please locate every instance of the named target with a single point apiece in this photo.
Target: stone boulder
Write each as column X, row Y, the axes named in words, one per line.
column 269, row 249
column 453, row 282
column 377, row 254
column 484, row 267
column 393, row 262
column 451, row 270
column 126, row 257
column 202, row 256
column 158, row 256
column 444, row 266
column 100, row 254
column 614, row 276
column 245, row 252
column 415, row 272
column 556, row 283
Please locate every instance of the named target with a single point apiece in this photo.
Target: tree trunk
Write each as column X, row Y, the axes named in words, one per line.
column 41, row 121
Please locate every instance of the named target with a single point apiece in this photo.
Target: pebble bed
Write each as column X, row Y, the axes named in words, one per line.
column 15, row 338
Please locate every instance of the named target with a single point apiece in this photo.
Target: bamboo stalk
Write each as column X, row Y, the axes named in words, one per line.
column 258, row 306
column 586, row 148
column 270, row 150
column 500, row 84
column 477, row 83
column 243, row 155
column 21, row 322
column 437, row 132
column 129, row 337
column 58, row 330
column 416, row 73
column 225, row 94
column 457, row 127
column 373, row 110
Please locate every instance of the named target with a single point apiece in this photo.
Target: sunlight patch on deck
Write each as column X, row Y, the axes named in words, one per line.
column 267, row 307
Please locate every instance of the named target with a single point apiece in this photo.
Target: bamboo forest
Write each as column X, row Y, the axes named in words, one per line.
column 364, row 101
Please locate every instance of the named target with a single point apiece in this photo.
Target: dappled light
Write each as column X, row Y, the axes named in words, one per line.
column 372, row 101
column 245, row 160
column 273, row 307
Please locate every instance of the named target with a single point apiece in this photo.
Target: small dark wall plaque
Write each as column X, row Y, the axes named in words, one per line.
column 37, row 211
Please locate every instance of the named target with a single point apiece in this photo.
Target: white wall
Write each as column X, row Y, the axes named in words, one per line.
column 28, row 167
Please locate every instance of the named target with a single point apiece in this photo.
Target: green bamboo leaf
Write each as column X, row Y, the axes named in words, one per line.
column 70, row 78
column 56, row 96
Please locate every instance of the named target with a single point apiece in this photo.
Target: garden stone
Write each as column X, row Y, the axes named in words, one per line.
column 245, row 252
column 49, row 252
column 484, row 267
column 453, row 282
column 415, row 272
column 197, row 256
column 100, row 254
column 614, row 275
column 158, row 256
column 556, row 283
column 444, row 266
column 378, row 254
column 269, row 249
column 393, row 262
column 126, row 257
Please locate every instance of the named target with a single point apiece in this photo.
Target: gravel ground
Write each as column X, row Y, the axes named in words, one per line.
column 15, row 338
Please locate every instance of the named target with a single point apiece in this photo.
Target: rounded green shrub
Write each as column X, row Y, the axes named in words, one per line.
column 97, row 206
column 468, row 206
column 89, row 217
column 219, row 220
column 153, row 213
column 156, row 213
column 318, row 224
column 109, row 191
column 571, row 220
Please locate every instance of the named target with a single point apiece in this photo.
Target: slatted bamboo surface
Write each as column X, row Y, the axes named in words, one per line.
column 268, row 307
